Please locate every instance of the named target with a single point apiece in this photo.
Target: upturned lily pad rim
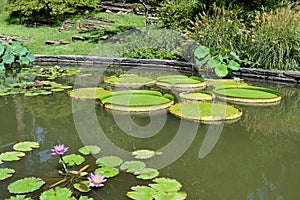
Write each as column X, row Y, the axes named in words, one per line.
column 186, row 96
column 165, row 83
column 113, row 81
column 250, row 101
column 208, row 119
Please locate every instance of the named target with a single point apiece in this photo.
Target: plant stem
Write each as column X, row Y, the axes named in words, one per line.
column 63, row 163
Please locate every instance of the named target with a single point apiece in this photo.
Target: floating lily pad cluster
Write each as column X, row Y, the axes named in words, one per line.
column 51, row 73
column 129, row 80
column 33, row 88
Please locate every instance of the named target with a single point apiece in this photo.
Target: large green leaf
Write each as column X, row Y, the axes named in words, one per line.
column 25, row 185
column 109, row 161
column 8, row 58
column 235, row 56
column 26, row 146
column 141, row 193
column 30, row 57
column 89, row 149
column 73, row 159
column 107, row 172
column 133, row 166
column 233, row 65
column 166, row 185
column 19, row 197
column 57, row 193
column 6, row 173
column 1, row 49
column 143, row 154
column 11, row 156
column 2, row 67
column 201, row 52
column 82, row 186
column 147, row 174
column 221, row 70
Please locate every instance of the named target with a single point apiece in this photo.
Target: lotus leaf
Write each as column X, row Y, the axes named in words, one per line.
column 109, row 161
column 73, row 159
column 11, row 156
column 6, row 173
column 89, row 93
column 82, row 186
column 141, row 193
column 166, row 185
column 26, row 146
column 147, row 174
column 143, row 154
column 89, row 149
column 133, row 166
column 19, row 197
column 25, row 185
column 107, row 172
column 57, row 193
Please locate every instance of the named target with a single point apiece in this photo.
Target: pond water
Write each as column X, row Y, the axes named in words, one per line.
column 257, row 157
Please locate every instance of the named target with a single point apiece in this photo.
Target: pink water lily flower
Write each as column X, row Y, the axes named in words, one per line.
column 59, row 149
column 37, row 82
column 96, row 180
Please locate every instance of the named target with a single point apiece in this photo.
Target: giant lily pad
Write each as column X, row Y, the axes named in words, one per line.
column 25, row 185
column 251, row 95
column 180, row 82
column 11, row 156
column 89, row 93
column 136, row 101
column 129, row 80
column 195, row 96
column 6, row 173
column 26, row 146
column 225, row 82
column 206, row 112
column 109, row 161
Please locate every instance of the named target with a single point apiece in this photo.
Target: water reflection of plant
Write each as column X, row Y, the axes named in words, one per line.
column 75, row 182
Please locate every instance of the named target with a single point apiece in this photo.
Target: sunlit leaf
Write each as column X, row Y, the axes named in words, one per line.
column 83, row 186
column 11, row 156
column 141, row 193
column 164, row 196
column 107, row 172
column 147, row 174
column 233, row 65
column 109, row 161
column 8, row 58
column 25, row 185
column 19, row 197
column 133, row 166
column 73, row 159
column 201, row 52
column 221, row 70
column 143, row 154
column 85, row 198
column 57, row 193
column 30, row 57
column 26, row 146
column 166, row 185
column 6, row 173
column 89, row 149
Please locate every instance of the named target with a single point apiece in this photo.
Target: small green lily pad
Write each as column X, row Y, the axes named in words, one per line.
column 141, row 193
column 57, row 193
column 147, row 174
column 143, row 154
column 73, row 159
column 25, row 185
column 107, row 172
column 133, row 166
column 19, row 197
column 166, row 185
column 26, row 146
column 109, row 161
column 11, row 156
column 83, row 186
column 89, row 149
column 6, row 173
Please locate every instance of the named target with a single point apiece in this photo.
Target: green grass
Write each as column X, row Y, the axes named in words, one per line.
column 42, row 33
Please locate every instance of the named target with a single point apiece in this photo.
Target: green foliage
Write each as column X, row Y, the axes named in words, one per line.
column 143, row 154
column 73, row 159
column 26, row 146
column 222, row 60
column 147, row 173
column 57, row 193
column 89, row 149
column 21, row 8
column 6, row 173
column 50, row 72
column 14, row 55
column 19, row 197
column 109, row 161
column 11, row 156
column 89, row 93
column 82, row 186
column 133, row 166
column 107, row 172
column 25, row 185
column 152, row 53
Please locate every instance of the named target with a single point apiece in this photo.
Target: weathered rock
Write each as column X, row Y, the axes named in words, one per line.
column 98, row 19
column 89, row 26
column 66, row 25
column 56, row 42
column 82, row 38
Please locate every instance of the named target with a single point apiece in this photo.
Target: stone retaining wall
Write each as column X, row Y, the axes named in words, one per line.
column 186, row 67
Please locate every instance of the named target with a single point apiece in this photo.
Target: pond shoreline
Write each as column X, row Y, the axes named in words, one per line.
column 186, row 67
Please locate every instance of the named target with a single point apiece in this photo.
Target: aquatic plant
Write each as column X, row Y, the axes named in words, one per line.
column 129, row 80
column 50, row 73
column 180, row 82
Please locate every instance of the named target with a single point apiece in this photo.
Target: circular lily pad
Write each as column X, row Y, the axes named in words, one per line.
column 89, row 93
column 195, row 96
column 216, row 83
column 206, row 112
column 25, row 185
column 248, row 95
column 137, row 101
column 129, row 80
column 180, row 82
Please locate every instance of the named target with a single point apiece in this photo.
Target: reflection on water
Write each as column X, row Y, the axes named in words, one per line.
column 257, row 157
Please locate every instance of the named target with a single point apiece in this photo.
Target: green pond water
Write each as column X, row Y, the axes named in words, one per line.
column 257, row 157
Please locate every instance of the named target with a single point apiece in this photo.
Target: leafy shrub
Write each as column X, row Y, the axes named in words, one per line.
column 35, row 8
column 151, row 53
